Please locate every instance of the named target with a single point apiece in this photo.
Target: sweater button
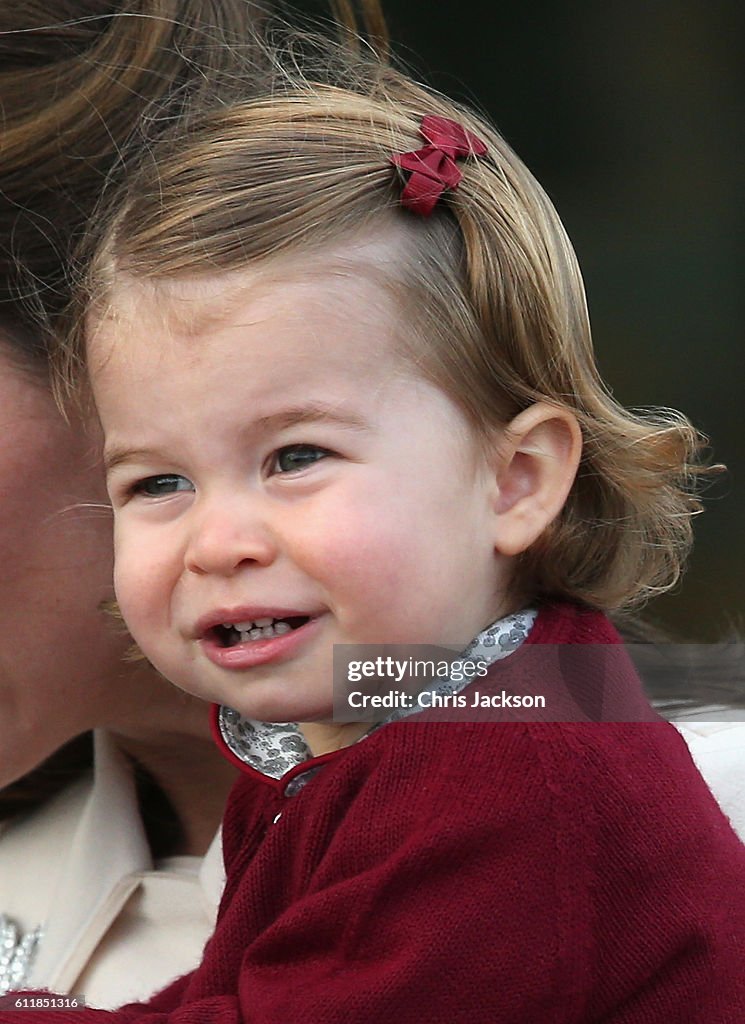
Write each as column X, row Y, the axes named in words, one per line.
column 276, row 818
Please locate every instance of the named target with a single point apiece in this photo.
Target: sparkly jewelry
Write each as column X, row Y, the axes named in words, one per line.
column 433, row 167
column 16, row 954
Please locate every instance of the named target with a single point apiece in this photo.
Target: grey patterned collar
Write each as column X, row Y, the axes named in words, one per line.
column 276, row 748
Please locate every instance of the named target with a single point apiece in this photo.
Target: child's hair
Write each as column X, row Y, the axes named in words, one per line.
column 488, row 285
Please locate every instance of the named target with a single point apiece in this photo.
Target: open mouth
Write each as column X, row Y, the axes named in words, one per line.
column 231, row 633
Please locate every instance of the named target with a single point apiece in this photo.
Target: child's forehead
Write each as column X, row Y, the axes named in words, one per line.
column 346, row 281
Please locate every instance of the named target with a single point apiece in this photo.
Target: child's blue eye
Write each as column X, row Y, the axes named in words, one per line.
column 164, row 483
column 296, row 457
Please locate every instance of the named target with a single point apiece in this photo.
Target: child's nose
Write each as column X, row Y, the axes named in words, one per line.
column 225, row 538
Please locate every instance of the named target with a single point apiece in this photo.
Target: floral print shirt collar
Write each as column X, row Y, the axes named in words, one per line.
column 276, row 748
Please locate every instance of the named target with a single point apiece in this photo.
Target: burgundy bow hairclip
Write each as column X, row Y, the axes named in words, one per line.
column 433, row 167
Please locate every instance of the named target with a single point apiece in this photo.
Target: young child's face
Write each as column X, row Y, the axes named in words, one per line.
column 281, row 463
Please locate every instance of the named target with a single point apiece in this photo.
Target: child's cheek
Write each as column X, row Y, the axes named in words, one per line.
column 137, row 586
column 358, row 554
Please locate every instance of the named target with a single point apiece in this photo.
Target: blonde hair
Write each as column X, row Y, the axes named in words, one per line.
column 500, row 312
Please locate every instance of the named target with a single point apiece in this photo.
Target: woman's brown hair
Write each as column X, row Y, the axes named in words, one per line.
column 490, row 290
column 75, row 79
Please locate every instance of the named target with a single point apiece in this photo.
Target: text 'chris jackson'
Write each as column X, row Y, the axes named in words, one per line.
column 427, row 699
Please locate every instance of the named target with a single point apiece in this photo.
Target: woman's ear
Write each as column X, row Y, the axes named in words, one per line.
column 535, row 466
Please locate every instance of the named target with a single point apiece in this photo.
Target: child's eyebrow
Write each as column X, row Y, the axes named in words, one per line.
column 115, row 455
column 311, row 412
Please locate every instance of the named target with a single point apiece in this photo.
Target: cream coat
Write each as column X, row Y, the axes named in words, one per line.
column 718, row 749
column 115, row 927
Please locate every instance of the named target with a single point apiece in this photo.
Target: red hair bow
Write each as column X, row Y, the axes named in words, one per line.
column 433, row 167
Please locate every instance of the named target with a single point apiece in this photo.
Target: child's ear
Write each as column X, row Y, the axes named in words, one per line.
column 535, row 465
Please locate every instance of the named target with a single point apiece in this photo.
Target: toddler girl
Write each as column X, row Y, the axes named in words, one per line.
column 338, row 344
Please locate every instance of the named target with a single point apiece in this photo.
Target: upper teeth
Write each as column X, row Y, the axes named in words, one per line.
column 243, row 626
column 257, row 629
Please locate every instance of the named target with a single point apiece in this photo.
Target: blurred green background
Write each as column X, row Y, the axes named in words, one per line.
column 632, row 117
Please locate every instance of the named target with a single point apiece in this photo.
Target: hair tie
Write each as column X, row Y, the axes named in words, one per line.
column 433, row 166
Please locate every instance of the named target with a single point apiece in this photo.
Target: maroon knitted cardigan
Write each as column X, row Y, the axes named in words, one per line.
column 483, row 873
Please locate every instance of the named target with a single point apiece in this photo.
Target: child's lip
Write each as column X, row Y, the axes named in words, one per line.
column 246, row 613
column 248, row 654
